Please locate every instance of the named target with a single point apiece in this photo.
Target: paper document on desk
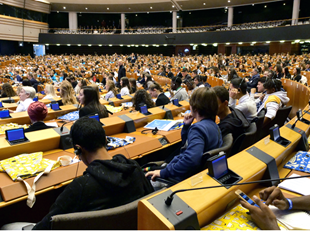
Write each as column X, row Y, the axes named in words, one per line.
column 163, row 125
column 292, row 219
column 52, row 124
column 300, row 185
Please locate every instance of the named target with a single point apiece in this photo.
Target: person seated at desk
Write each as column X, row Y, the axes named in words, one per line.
column 125, row 87
column 133, row 85
column 142, row 98
column 50, row 92
column 89, row 98
column 26, row 96
column 263, row 216
column 66, row 94
column 180, row 92
column 252, row 82
column 204, row 79
column 108, row 181
column 110, row 87
column 37, row 112
column 7, row 91
column 157, row 92
column 273, row 100
column 81, row 83
column 197, row 138
column 148, row 81
column 26, row 83
column 231, row 120
column 237, row 91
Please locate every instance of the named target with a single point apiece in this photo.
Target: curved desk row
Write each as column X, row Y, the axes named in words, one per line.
column 203, row 206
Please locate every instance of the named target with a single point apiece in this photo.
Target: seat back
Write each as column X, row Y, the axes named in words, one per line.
column 259, row 124
column 227, row 144
column 244, row 141
column 121, row 217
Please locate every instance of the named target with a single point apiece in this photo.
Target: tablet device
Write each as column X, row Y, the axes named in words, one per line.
column 15, row 136
column 55, row 106
column 144, row 111
column 1, row 104
column 119, row 96
column 275, row 133
column 35, row 99
column 5, row 114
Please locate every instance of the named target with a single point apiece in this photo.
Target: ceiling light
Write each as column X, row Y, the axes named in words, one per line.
column 100, row 45
column 151, row 7
column 253, row 4
column 253, row 42
column 136, row 45
column 47, row 44
column 57, row 12
column 190, row 13
column 302, row 42
column 129, row 8
column 147, row 12
column 226, row 7
column 68, row 45
column 121, row 45
column 191, row 44
column 307, row 41
column 89, row 45
column 284, row 4
column 136, row 15
column 297, row 41
column 108, row 8
column 165, row 45
column 265, row 6
column 146, row 45
column 282, row 41
column 227, row 43
column 204, row 44
column 204, row 3
column 228, row 0
column 86, row 8
column 110, row 45
column 215, row 44
column 57, row 44
column 154, row 45
column 268, row 42
column 240, row 43
column 79, row 45
column 128, row 45
column 172, row 6
column 64, row 7
column 170, row 11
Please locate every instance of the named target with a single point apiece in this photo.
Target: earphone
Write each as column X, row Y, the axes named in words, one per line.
column 77, row 151
column 154, row 131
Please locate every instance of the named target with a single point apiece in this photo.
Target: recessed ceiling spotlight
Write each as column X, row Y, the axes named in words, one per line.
column 64, row 7
column 79, row 45
column 86, row 8
column 110, row 45
column 170, row 11
column 151, row 7
column 58, row 44
column 68, row 45
column 89, row 45
column 253, row 4
column 268, row 42
column 100, row 45
column 227, row 43
column 190, row 13
column 57, row 12
column 265, row 6
column 204, row 3
column 121, row 45
column 240, row 43
column 108, row 8
column 129, row 8
column 228, row 0
column 284, row 4
column 147, row 12
column 172, row 6
column 215, row 44
column 136, row 15
column 282, row 41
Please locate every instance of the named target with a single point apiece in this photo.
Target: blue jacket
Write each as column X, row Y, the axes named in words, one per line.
column 253, row 81
column 201, row 137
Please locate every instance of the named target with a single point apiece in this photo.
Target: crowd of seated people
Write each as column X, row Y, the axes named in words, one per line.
column 259, row 89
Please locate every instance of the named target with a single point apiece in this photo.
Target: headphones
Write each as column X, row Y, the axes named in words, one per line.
column 154, row 131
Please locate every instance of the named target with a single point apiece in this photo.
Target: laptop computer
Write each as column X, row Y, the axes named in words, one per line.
column 16, row 136
column 4, row 114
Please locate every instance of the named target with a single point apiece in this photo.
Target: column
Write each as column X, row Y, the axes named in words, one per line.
column 174, row 21
column 123, row 23
column 73, row 24
column 295, row 12
column 230, row 16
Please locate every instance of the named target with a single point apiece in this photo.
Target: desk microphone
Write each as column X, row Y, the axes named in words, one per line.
column 169, row 199
column 299, row 117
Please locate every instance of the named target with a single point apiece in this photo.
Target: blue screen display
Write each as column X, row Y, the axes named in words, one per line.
column 143, row 109
column 175, row 102
column 4, row 114
column 16, row 134
column 35, row 99
column 220, row 167
column 1, row 104
column 95, row 117
column 276, row 133
column 119, row 96
column 55, row 106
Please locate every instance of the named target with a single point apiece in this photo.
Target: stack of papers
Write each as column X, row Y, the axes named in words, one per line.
column 163, row 125
column 300, row 185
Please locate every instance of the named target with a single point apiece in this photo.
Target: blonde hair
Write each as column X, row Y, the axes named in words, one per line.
column 112, row 88
column 95, row 86
column 50, row 90
column 67, row 93
column 30, row 91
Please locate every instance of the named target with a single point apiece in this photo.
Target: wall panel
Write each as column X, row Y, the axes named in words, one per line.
column 30, row 5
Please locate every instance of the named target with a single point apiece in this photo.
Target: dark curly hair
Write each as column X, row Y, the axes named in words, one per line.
column 141, row 98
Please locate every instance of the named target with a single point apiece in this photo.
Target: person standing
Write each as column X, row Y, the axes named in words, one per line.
column 121, row 71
